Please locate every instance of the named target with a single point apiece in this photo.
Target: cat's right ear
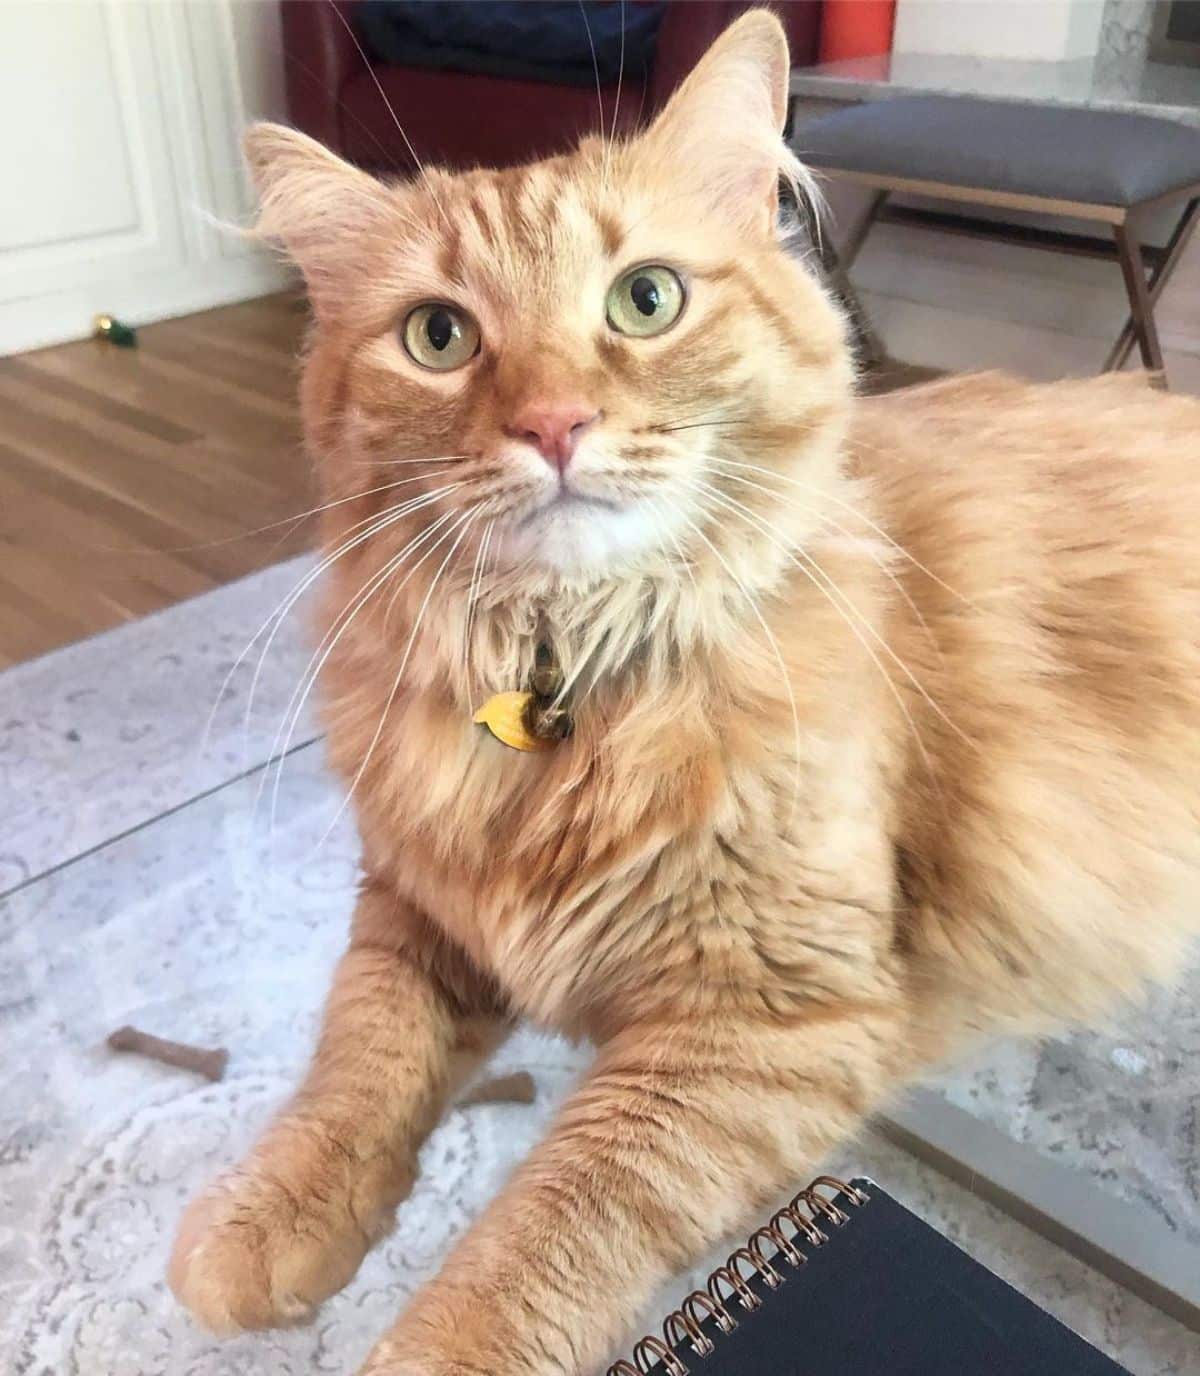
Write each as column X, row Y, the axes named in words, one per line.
column 312, row 202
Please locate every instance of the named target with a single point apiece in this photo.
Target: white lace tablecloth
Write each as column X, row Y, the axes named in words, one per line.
column 203, row 928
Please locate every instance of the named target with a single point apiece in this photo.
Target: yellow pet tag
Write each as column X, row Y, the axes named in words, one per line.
column 504, row 715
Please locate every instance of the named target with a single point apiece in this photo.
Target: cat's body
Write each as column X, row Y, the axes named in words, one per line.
column 886, row 728
column 1038, row 761
column 1053, row 867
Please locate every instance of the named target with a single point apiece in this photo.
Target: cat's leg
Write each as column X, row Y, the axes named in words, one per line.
column 407, row 1019
column 679, row 1137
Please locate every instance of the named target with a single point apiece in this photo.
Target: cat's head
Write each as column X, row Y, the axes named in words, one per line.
column 581, row 350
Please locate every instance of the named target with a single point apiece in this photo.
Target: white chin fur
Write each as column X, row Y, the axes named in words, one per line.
column 583, row 539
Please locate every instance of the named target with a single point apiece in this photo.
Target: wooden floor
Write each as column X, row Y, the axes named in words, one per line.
column 133, row 478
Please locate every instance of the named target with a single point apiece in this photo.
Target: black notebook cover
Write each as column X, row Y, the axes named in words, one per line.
column 886, row 1295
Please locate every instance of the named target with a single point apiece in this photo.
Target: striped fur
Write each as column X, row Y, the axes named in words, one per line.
column 886, row 723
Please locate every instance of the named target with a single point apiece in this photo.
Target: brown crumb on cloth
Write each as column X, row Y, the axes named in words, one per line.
column 211, row 1063
column 502, row 1089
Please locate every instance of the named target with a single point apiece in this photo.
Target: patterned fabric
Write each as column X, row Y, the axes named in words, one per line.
column 218, row 928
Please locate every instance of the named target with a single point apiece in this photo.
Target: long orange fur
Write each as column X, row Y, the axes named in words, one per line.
column 887, row 728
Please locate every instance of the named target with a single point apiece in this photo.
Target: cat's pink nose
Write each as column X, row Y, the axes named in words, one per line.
column 553, row 428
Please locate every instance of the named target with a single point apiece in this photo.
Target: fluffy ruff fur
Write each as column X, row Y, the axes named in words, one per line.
column 887, row 727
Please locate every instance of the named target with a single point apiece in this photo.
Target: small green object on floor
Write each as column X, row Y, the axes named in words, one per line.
column 110, row 328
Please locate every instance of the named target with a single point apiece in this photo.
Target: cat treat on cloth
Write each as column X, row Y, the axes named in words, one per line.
column 847, row 1282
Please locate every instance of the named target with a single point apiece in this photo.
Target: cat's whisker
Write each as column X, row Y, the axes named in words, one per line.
column 612, row 137
column 472, row 599
column 854, row 511
column 582, row 659
column 398, row 463
column 665, row 525
column 412, row 152
column 845, row 608
column 861, row 542
column 660, row 541
column 463, row 524
column 663, row 532
column 903, row 706
column 493, row 554
column 367, row 492
column 278, row 615
column 721, row 414
column 792, row 548
column 304, row 515
column 471, row 512
column 312, row 671
column 355, row 602
column 752, row 603
column 374, row 524
column 821, row 579
column 695, row 425
column 599, row 98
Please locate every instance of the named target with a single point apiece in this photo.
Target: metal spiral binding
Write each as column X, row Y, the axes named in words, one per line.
column 682, row 1328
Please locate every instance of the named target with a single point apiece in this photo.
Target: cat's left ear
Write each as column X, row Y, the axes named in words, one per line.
column 723, row 127
column 315, row 204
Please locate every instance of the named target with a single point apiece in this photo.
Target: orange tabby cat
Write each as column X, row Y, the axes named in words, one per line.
column 886, row 718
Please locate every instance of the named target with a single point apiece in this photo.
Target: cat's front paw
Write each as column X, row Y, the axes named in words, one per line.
column 259, row 1250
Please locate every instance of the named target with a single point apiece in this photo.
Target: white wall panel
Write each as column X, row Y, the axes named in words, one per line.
column 66, row 163
column 121, row 123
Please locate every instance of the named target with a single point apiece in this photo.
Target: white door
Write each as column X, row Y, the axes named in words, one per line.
column 120, row 123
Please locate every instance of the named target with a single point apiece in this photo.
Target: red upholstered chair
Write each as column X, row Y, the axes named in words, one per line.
column 461, row 118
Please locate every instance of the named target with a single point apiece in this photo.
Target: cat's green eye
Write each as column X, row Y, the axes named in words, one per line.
column 440, row 337
column 645, row 301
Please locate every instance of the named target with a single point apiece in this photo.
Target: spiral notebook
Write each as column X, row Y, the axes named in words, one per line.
column 847, row 1282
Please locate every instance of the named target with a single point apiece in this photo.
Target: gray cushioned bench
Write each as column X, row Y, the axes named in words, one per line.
column 1104, row 166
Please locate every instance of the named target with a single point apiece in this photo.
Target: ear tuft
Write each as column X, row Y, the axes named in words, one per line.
column 264, row 144
column 754, row 51
column 311, row 201
column 724, row 124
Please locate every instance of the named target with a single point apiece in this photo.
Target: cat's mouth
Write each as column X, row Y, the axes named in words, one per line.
column 568, row 502
column 571, row 531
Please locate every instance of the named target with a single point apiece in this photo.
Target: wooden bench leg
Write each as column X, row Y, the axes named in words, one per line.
column 1141, row 308
column 1172, row 253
